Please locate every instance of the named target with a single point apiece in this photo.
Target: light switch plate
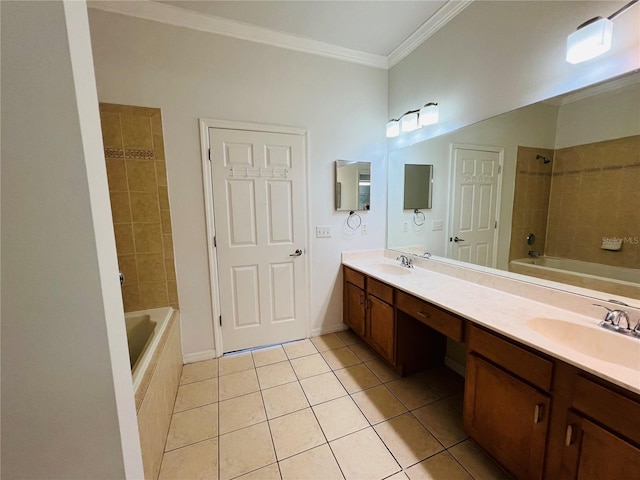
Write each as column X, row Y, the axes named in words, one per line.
column 323, row 231
column 437, row 225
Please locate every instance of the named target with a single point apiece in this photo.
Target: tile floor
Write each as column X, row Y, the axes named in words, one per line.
column 323, row 408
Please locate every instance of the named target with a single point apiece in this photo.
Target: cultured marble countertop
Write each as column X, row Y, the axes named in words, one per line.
column 502, row 312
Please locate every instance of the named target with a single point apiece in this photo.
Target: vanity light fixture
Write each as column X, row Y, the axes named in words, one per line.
column 593, row 37
column 413, row 120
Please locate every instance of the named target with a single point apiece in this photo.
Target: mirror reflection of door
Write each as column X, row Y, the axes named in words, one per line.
column 353, row 185
column 364, row 189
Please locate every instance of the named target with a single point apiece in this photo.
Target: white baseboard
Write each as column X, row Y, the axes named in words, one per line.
column 326, row 330
column 198, row 356
column 455, row 366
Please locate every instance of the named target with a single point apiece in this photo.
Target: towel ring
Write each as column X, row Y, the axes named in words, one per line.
column 351, row 216
column 416, row 215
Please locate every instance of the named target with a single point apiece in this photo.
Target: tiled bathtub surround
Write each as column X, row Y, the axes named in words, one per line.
column 322, row 408
column 134, row 153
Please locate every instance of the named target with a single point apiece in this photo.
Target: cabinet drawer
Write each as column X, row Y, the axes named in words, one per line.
column 523, row 363
column 380, row 290
column 616, row 411
column 436, row 318
column 354, row 277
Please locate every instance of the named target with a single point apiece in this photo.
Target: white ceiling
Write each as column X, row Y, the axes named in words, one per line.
column 375, row 27
column 377, row 33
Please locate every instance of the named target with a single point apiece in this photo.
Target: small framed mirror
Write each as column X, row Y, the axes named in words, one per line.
column 418, row 183
column 353, row 186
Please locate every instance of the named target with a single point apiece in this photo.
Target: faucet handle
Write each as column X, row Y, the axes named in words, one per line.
column 609, row 317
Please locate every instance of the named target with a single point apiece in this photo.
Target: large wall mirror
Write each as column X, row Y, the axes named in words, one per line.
column 566, row 170
column 353, row 186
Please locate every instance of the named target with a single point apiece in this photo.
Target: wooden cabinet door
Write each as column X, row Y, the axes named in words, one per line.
column 382, row 327
column 507, row 417
column 354, row 311
column 593, row 452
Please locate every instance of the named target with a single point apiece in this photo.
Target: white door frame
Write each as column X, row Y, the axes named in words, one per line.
column 452, row 173
column 205, row 125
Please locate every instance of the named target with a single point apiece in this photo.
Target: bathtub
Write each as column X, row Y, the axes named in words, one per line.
column 156, row 366
column 595, row 276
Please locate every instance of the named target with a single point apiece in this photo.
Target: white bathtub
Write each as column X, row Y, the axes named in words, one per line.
column 595, row 276
column 144, row 331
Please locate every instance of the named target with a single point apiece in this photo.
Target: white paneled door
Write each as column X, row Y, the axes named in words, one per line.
column 474, row 208
column 259, row 197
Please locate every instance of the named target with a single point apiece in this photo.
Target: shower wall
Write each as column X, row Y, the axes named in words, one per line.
column 134, row 153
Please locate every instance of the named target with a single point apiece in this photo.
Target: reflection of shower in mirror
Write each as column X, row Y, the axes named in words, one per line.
column 544, row 159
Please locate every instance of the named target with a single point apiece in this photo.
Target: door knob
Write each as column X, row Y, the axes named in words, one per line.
column 456, row 239
column 297, row 253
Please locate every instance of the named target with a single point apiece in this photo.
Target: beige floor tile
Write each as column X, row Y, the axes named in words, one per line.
column 322, row 388
column 340, row 358
column 234, row 363
column 245, row 450
column 300, row 348
column 195, row 372
column 311, row 465
column 398, row 476
column 197, row 462
column 192, row 426
column 457, row 401
column 196, row 394
column 407, row 439
column 441, row 466
column 284, row 399
column 412, row 392
column 349, row 338
column 270, row 472
column 378, row 404
column 443, row 421
column 383, row 371
column 309, row 366
column 240, row 412
column 357, row 378
column 275, row 374
column 340, row 417
column 327, row 342
column 476, row 462
column 269, row 355
column 237, row 384
column 364, row 352
column 362, row 455
column 295, row 433
column 443, row 380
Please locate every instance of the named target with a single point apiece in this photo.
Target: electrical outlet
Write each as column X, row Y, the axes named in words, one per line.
column 437, row 225
column 405, row 226
column 323, row 231
column 364, row 229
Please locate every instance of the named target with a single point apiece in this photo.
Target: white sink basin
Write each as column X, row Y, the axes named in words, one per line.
column 390, row 269
column 591, row 340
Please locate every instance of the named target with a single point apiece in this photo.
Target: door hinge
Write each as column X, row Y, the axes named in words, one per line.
column 499, row 166
column 495, row 225
column 215, row 244
column 209, row 154
column 220, row 320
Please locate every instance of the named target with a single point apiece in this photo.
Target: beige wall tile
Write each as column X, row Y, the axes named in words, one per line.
column 167, row 245
column 116, row 175
column 161, row 173
column 131, row 298
column 148, row 237
column 120, row 207
column 150, row 267
column 156, row 124
column 141, row 176
column 145, row 111
column 111, row 131
column 163, row 197
column 170, row 269
column 158, row 147
column 127, row 265
column 172, row 292
column 124, row 238
column 165, row 221
column 116, row 108
column 153, row 295
column 144, row 207
column 136, row 132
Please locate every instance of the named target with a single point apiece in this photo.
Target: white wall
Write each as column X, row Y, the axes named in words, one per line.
column 532, row 126
column 191, row 74
column 614, row 114
column 496, row 56
column 67, row 399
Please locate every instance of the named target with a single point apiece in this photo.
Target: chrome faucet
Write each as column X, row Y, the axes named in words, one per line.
column 534, row 253
column 613, row 318
column 405, row 261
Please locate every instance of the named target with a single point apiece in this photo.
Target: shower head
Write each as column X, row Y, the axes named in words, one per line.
column 544, row 159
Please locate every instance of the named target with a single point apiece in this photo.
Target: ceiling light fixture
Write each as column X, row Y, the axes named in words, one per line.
column 413, row 120
column 593, row 37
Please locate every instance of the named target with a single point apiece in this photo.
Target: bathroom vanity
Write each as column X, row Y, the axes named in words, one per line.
column 542, row 408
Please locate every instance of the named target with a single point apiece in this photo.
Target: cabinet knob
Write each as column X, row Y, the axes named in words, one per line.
column 568, row 439
column 537, row 413
column 424, row 314
column 361, row 299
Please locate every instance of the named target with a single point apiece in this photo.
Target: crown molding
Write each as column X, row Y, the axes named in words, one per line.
column 444, row 15
column 180, row 17
column 169, row 14
column 607, row 86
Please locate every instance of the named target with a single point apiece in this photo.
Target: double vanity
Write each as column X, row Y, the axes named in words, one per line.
column 548, row 393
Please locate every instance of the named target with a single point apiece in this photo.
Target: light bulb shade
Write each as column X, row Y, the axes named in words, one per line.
column 589, row 41
column 429, row 114
column 393, row 128
column 409, row 122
